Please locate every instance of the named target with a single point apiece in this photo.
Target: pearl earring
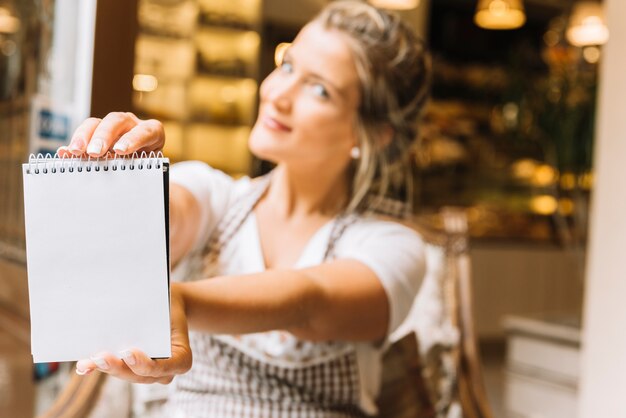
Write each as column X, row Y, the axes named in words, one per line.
column 355, row 153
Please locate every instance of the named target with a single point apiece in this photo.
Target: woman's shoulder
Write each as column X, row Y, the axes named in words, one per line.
column 381, row 237
column 199, row 175
column 374, row 226
column 396, row 254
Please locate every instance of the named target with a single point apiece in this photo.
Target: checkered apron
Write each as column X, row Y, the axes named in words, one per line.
column 269, row 374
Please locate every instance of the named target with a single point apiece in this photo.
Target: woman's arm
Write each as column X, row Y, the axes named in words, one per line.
column 361, row 296
column 184, row 221
column 356, row 298
column 340, row 300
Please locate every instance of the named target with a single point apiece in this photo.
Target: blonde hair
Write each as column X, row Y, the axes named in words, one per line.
column 394, row 70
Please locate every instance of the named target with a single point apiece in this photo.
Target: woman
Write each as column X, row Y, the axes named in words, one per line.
column 307, row 281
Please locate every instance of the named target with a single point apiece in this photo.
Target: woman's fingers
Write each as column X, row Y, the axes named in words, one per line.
column 85, row 366
column 142, row 365
column 109, row 130
column 147, row 135
column 119, row 133
column 63, row 152
column 112, row 365
column 80, row 139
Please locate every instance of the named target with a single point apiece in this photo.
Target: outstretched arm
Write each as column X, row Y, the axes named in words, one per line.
column 184, row 221
column 341, row 300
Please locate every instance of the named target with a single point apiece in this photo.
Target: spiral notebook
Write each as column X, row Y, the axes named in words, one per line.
column 97, row 256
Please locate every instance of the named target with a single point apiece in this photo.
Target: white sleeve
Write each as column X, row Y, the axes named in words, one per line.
column 213, row 189
column 395, row 254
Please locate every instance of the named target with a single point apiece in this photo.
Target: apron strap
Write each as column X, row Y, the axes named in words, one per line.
column 239, row 212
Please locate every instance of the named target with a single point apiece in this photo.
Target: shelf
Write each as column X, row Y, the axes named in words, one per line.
column 226, row 100
column 227, row 51
column 168, row 101
column 164, row 19
column 222, row 147
column 232, row 13
column 199, row 63
column 165, row 58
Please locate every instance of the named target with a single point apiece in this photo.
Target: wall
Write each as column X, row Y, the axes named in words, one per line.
column 523, row 280
column 114, row 54
column 604, row 332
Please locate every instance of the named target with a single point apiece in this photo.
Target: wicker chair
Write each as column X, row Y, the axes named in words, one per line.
column 443, row 377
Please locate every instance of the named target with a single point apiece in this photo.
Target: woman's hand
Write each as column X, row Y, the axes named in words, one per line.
column 119, row 132
column 136, row 367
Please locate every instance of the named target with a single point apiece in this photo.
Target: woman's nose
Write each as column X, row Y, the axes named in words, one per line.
column 280, row 92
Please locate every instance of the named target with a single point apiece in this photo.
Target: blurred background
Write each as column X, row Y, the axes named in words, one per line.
column 508, row 136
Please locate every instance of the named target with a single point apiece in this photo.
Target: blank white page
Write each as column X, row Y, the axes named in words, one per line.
column 97, row 261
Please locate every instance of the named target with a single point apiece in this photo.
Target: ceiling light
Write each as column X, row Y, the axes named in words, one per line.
column 396, row 4
column 586, row 25
column 8, row 22
column 500, row 14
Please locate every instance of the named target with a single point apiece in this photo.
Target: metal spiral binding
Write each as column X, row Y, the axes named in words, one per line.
column 40, row 164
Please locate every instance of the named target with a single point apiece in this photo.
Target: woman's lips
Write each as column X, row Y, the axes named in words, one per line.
column 273, row 124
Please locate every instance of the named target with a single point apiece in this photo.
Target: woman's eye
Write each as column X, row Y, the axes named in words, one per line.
column 286, row 67
column 320, row 90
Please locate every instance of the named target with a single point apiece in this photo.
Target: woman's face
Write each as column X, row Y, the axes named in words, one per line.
column 308, row 105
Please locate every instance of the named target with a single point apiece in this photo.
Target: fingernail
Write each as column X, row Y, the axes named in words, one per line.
column 78, row 145
column 83, row 372
column 121, row 146
column 100, row 362
column 128, row 357
column 95, row 146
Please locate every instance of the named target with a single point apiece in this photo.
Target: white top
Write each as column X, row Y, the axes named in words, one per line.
column 393, row 252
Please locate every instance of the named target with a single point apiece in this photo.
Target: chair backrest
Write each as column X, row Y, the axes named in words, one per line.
column 433, row 367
